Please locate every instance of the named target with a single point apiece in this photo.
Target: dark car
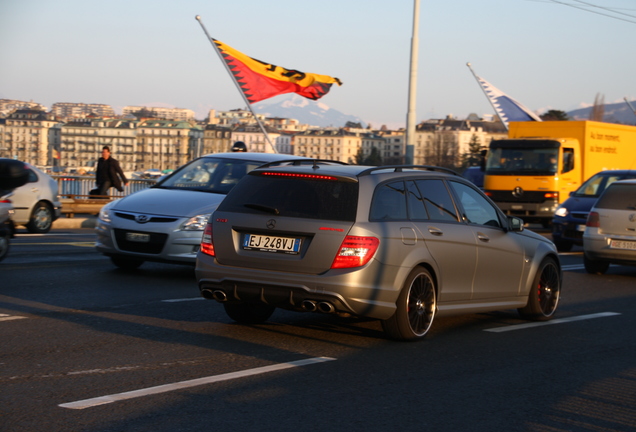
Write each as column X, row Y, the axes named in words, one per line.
column 476, row 175
column 569, row 219
column 399, row 244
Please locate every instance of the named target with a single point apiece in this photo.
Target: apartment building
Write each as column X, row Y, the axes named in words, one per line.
column 71, row 110
column 166, row 144
column 179, row 114
column 81, row 143
column 7, row 106
column 340, row 144
column 216, row 139
column 255, row 139
column 26, row 134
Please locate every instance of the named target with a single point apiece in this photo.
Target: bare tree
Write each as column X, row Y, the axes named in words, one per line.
column 443, row 150
column 598, row 110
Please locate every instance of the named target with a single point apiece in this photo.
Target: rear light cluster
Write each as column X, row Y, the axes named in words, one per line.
column 207, row 246
column 593, row 220
column 307, row 176
column 355, row 252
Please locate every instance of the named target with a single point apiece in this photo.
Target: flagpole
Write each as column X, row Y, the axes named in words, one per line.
column 487, row 97
column 630, row 105
column 227, row 68
column 410, row 115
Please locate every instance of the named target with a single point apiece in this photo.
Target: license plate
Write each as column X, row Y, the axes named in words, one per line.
column 516, row 207
column 621, row 244
column 263, row 243
column 580, row 228
column 138, row 237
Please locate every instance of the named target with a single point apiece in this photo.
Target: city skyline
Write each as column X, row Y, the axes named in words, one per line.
column 543, row 53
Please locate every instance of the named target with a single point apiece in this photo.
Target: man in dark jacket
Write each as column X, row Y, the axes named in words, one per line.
column 108, row 173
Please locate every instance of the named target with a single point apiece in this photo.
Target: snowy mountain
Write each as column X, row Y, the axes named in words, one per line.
column 306, row 111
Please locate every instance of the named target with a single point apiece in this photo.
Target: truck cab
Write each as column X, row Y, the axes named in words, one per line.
column 530, row 177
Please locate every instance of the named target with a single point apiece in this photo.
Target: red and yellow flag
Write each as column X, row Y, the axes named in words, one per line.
column 259, row 80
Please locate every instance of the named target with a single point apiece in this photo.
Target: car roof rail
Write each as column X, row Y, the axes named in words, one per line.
column 400, row 168
column 298, row 162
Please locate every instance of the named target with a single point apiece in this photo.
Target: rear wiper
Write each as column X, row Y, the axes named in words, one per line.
column 263, row 208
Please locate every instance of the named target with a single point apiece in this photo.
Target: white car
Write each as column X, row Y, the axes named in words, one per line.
column 610, row 232
column 37, row 203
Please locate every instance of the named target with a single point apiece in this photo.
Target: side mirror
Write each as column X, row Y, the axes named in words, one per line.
column 515, row 224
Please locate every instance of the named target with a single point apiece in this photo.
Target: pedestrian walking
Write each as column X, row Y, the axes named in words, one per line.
column 109, row 173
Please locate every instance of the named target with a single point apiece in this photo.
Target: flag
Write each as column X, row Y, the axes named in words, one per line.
column 56, row 154
column 259, row 80
column 507, row 108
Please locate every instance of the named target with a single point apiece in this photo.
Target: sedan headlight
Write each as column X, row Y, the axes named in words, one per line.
column 561, row 212
column 104, row 213
column 196, row 223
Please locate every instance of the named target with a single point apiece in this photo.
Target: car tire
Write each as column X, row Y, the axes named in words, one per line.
column 249, row 313
column 41, row 219
column 4, row 245
column 126, row 263
column 595, row 266
column 416, row 308
column 545, row 292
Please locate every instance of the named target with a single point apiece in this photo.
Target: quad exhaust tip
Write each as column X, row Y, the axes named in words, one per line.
column 217, row 295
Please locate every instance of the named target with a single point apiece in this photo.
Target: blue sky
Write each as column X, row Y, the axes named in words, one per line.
column 153, row 52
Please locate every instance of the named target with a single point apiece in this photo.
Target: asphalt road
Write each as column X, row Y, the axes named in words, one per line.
column 88, row 347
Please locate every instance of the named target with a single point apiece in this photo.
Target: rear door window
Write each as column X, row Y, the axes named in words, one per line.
column 437, row 200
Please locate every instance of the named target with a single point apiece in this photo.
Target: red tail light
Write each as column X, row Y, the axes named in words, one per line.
column 355, row 252
column 6, row 201
column 593, row 220
column 207, row 246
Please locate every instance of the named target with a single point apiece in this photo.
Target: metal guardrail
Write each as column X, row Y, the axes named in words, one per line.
column 74, row 192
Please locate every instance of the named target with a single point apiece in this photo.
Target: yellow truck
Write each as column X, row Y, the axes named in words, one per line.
column 529, row 174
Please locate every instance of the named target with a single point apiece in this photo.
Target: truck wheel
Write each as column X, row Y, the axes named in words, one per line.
column 545, row 292
column 41, row 219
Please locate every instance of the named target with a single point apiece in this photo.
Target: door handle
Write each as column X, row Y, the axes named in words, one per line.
column 483, row 237
column 435, row 231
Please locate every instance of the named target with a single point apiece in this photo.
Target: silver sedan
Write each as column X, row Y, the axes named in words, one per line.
column 165, row 222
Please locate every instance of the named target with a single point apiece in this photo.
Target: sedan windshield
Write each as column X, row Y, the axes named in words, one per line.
column 209, row 174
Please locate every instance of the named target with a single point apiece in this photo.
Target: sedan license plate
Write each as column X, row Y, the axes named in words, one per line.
column 622, row 244
column 138, row 237
column 263, row 243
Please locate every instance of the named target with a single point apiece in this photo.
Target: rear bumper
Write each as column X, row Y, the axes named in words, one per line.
column 343, row 289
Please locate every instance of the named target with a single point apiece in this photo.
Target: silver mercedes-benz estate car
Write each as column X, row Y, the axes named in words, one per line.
column 400, row 244
column 165, row 222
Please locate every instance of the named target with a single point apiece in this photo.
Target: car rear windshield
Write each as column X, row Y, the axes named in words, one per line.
column 618, row 197
column 294, row 197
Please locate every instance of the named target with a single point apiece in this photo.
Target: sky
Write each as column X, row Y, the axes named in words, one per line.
column 547, row 54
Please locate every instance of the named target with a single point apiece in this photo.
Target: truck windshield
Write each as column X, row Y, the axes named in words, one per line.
column 522, row 161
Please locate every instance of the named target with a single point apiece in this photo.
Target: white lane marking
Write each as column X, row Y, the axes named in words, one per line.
column 88, row 403
column 551, row 322
column 6, row 317
column 182, row 300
